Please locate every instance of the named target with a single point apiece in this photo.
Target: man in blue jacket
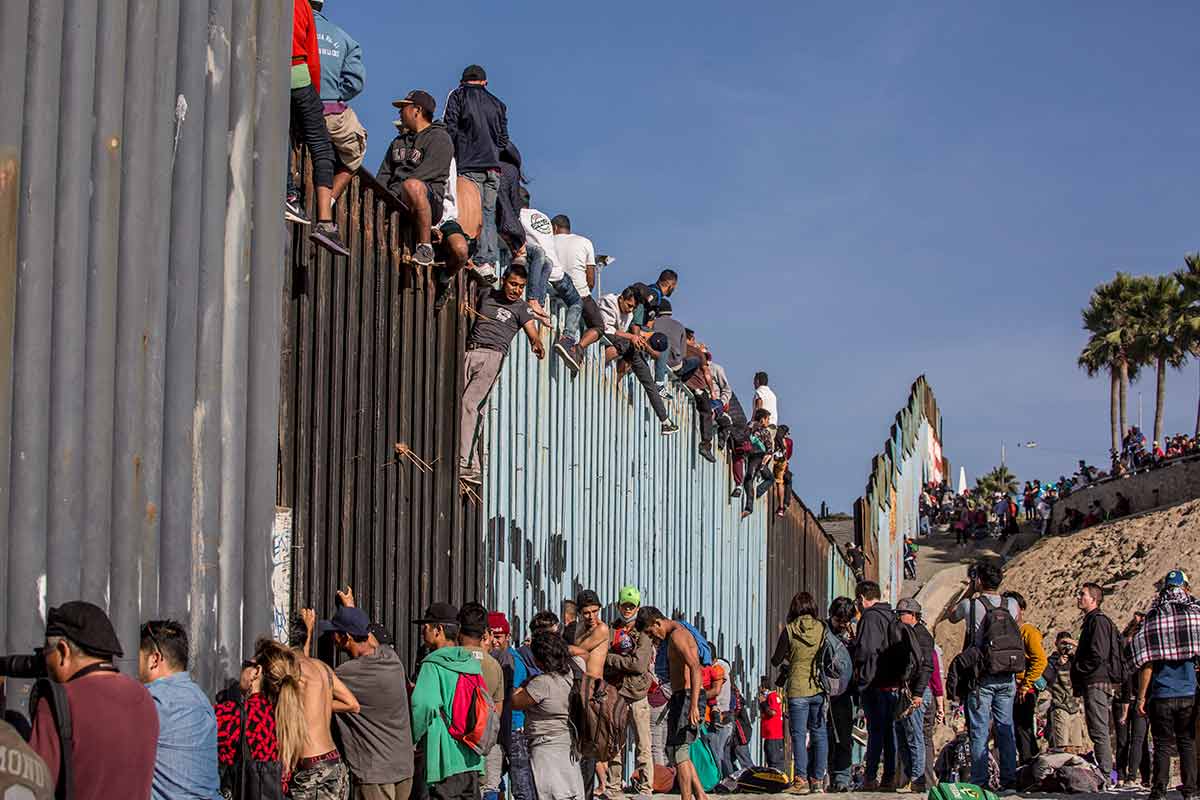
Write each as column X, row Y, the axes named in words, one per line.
column 478, row 125
column 342, row 78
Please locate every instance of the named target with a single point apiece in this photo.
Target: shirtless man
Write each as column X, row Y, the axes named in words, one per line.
column 592, row 639
column 320, row 775
column 686, row 686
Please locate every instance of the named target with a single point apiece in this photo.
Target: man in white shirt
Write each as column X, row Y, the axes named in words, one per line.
column 541, row 255
column 765, row 398
column 577, row 258
column 617, row 313
column 452, row 242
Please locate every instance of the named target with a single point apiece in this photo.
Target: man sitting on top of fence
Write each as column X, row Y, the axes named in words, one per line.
column 417, row 166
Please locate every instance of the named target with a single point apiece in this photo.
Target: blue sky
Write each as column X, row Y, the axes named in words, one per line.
column 853, row 196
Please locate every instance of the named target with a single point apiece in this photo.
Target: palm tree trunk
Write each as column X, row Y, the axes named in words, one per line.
column 1197, row 433
column 1114, row 393
column 1159, row 395
column 1124, row 395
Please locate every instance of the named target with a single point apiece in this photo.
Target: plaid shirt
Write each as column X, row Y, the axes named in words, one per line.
column 1171, row 631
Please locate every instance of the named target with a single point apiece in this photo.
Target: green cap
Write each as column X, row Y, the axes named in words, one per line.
column 629, row 595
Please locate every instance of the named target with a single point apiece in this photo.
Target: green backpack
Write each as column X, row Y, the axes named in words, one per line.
column 959, row 791
column 705, row 764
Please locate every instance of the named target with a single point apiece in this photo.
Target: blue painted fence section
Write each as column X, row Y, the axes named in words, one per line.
column 582, row 491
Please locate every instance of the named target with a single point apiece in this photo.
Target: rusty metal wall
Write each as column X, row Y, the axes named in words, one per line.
column 365, row 365
column 141, row 145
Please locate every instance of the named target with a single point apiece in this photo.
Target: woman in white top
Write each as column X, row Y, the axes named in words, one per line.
column 546, row 700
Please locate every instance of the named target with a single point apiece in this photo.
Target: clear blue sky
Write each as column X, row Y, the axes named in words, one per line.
column 852, row 196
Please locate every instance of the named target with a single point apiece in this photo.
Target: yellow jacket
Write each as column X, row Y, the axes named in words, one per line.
column 1035, row 658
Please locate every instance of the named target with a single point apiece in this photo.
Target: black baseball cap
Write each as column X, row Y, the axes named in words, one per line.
column 348, row 620
column 85, row 624
column 381, row 634
column 474, row 73
column 587, row 598
column 664, row 307
column 419, row 98
column 438, row 614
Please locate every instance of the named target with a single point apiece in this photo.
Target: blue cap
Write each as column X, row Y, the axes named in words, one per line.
column 1176, row 577
column 348, row 620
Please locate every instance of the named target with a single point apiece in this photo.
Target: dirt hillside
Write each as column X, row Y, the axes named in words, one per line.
column 1125, row 557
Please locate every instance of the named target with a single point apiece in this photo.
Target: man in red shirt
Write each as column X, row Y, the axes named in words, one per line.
column 113, row 719
column 771, row 707
column 308, row 125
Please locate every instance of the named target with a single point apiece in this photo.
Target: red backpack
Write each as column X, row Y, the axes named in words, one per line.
column 474, row 720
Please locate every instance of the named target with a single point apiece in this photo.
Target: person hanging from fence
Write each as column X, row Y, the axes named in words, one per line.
column 501, row 313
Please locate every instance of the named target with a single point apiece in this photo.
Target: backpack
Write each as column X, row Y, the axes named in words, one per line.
column 55, row 694
column 1003, row 648
column 959, row 791
column 604, row 717
column 756, row 780
column 662, row 665
column 833, row 669
column 474, row 720
column 702, row 759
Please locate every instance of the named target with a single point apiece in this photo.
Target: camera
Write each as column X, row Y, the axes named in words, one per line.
column 24, row 666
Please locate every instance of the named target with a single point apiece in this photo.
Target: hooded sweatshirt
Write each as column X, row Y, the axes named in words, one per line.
column 798, row 645
column 431, row 697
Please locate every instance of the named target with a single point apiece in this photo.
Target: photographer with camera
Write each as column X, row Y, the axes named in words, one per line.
column 992, row 631
column 96, row 729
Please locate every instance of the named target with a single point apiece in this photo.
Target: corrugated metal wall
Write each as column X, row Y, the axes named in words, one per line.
column 366, row 364
column 582, row 491
column 141, row 253
column 888, row 511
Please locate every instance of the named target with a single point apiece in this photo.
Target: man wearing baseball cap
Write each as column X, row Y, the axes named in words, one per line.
column 516, row 672
column 114, row 724
column 377, row 741
column 452, row 769
column 417, row 167
column 1165, row 650
column 628, row 666
column 910, row 728
column 478, row 125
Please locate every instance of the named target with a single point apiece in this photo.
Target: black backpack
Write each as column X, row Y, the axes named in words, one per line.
column 1002, row 647
column 55, row 694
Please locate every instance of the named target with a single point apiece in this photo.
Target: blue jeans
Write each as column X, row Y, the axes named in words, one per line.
column 879, row 706
column 539, row 272
column 992, row 702
column 718, row 743
column 488, row 247
column 910, row 734
column 565, row 291
column 807, row 715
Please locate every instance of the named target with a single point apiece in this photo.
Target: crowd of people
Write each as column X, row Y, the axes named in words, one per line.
column 461, row 179
column 585, row 707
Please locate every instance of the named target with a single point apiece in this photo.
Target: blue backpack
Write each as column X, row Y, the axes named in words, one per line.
column 662, row 666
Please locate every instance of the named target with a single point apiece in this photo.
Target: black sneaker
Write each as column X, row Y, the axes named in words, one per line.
column 326, row 235
column 707, row 451
column 423, row 255
column 737, row 492
column 293, row 210
column 566, row 351
column 669, row 427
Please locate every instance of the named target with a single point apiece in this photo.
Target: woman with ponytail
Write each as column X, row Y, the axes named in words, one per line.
column 252, row 729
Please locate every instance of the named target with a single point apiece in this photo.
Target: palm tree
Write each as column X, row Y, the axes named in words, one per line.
column 999, row 479
column 1189, row 285
column 1109, row 319
column 1160, row 314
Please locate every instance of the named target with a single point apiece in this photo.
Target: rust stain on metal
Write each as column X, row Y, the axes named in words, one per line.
column 151, row 513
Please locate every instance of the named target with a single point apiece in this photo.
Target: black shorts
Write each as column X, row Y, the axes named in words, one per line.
column 592, row 318
column 680, row 732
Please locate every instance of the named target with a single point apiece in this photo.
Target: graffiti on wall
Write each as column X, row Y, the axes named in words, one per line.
column 281, row 572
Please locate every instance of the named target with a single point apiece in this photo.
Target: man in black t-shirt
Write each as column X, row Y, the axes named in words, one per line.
column 502, row 312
